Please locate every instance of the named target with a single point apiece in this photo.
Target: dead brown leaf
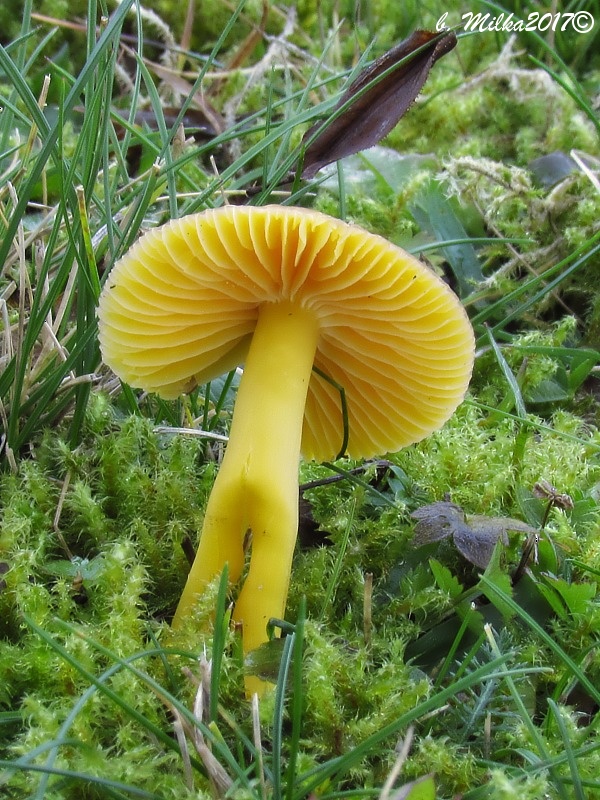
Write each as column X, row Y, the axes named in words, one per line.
column 375, row 101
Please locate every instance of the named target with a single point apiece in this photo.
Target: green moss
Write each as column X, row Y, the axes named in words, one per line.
column 382, row 214
column 505, row 787
column 91, row 538
column 502, row 114
column 452, row 766
column 134, row 495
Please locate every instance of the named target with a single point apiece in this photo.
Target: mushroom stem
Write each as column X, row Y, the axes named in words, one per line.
column 256, row 489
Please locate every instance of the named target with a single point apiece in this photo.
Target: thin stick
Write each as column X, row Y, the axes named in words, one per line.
column 368, row 609
column 57, row 514
column 403, row 749
column 191, row 432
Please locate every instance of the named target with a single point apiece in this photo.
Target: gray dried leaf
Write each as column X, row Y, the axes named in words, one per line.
column 474, row 536
column 437, row 521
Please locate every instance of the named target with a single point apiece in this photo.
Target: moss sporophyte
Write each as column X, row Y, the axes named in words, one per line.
column 307, row 303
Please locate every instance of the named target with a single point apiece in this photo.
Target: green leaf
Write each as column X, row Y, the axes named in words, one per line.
column 575, row 596
column 547, row 555
column 501, row 580
column 379, row 172
column 582, row 366
column 446, row 581
column 435, row 214
column 551, row 597
column 550, row 390
column 265, row 660
column 421, row 789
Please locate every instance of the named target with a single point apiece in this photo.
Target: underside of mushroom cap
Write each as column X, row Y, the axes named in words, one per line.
column 180, row 308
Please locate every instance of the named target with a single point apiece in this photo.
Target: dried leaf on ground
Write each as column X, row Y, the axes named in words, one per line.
column 376, row 100
column 474, row 536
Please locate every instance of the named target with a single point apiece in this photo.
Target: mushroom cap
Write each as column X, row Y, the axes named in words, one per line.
column 180, row 307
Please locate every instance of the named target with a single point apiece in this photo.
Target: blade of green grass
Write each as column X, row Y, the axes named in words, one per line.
column 534, row 732
column 86, row 778
column 548, row 280
column 279, row 714
column 219, row 640
column 48, row 148
column 336, row 767
column 534, row 424
column 297, row 700
column 546, row 638
column 578, row 792
column 82, row 168
column 99, row 684
column 514, row 387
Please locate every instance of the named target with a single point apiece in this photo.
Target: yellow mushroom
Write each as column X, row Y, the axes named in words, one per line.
column 306, row 302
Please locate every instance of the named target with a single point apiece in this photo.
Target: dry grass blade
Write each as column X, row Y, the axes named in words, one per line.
column 402, row 749
column 185, row 730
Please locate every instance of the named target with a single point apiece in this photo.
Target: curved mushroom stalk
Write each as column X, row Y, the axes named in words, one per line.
column 180, row 308
column 256, row 489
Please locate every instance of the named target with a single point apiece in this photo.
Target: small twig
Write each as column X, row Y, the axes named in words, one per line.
column 274, row 53
column 220, row 188
column 218, row 437
column 57, row 515
column 542, row 490
column 202, row 699
column 487, row 730
column 7, row 343
column 341, row 477
column 577, row 157
column 368, row 609
column 8, row 451
column 403, row 749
